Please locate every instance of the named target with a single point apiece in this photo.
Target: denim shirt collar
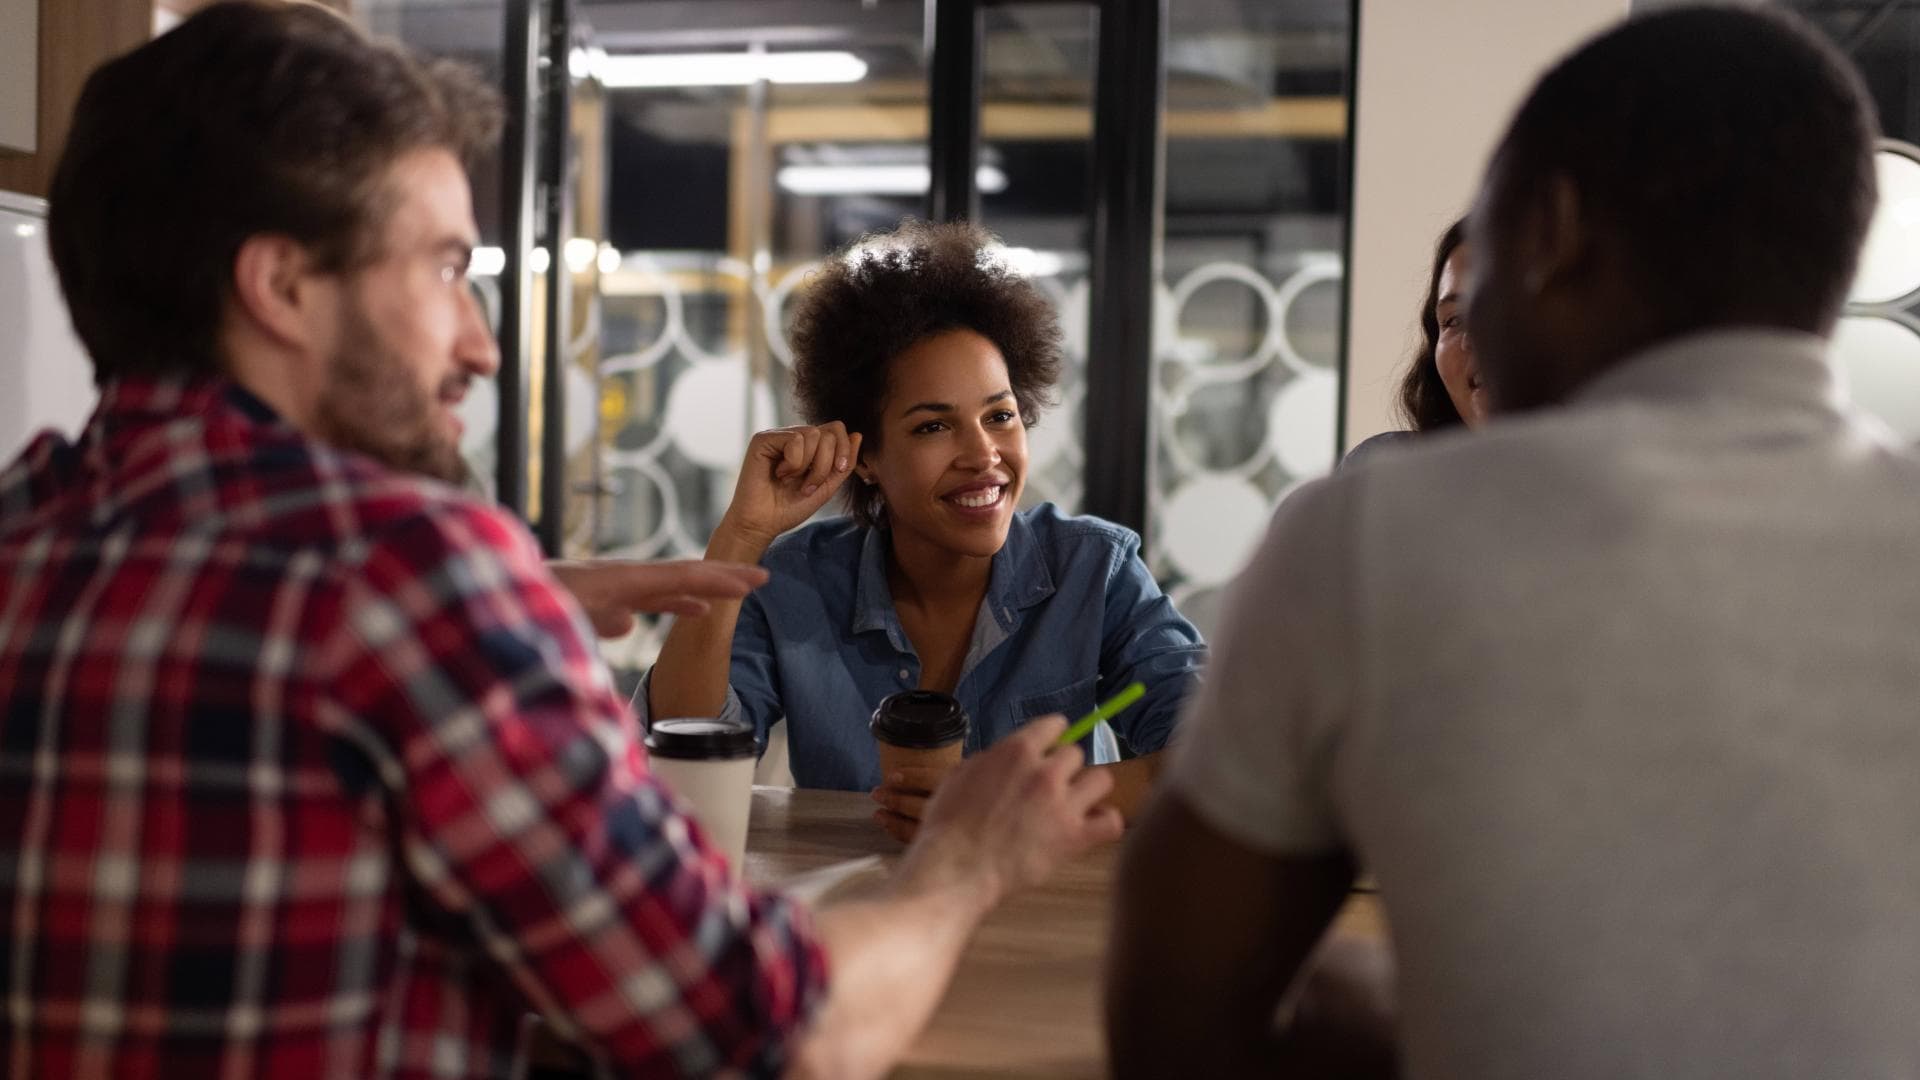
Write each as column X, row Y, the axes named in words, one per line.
column 1019, row 579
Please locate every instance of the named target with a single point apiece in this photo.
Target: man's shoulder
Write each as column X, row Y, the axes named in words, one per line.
column 354, row 505
column 1444, row 465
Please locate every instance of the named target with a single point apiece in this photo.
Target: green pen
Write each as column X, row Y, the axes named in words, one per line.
column 1108, row 709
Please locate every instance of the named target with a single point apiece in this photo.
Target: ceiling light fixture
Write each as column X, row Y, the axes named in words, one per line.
column 875, row 179
column 641, row 71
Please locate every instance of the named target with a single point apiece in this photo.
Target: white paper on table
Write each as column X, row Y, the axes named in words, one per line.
column 813, row 887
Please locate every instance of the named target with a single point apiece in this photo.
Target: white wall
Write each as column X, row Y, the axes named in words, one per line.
column 46, row 379
column 19, row 74
column 1437, row 82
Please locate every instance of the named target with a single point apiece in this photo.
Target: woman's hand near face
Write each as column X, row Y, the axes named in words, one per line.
column 789, row 473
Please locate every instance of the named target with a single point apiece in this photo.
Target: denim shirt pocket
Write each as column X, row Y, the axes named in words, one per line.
column 1074, row 699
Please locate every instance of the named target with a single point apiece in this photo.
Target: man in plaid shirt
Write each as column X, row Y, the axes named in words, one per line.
column 307, row 766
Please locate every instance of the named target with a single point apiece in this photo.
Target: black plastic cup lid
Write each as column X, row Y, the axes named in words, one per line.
column 701, row 740
column 918, row 720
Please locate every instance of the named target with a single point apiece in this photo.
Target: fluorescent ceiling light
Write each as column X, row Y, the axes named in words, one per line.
column 875, row 179
column 628, row 72
column 1027, row 262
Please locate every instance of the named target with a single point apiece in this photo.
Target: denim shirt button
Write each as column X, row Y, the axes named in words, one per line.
column 903, row 675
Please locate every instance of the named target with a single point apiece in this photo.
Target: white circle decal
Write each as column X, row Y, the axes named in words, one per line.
column 479, row 414
column 1880, row 362
column 1890, row 262
column 1210, row 527
column 1300, row 423
column 707, row 413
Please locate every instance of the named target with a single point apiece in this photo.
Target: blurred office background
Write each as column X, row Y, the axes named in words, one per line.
column 702, row 193
column 1231, row 202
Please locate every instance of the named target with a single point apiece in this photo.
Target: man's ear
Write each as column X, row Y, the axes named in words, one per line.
column 1558, row 239
column 277, row 288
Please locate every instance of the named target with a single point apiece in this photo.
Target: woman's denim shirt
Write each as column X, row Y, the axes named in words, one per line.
column 1070, row 617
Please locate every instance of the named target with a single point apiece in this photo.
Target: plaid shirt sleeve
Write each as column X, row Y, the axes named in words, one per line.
column 525, row 808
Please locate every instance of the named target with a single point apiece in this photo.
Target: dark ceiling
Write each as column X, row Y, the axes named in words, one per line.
column 671, row 147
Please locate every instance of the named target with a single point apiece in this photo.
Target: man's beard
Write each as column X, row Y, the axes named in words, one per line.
column 372, row 404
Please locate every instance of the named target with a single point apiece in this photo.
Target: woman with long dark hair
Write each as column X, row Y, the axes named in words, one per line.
column 1441, row 387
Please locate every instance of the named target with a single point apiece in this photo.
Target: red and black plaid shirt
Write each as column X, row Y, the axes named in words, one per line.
column 308, row 768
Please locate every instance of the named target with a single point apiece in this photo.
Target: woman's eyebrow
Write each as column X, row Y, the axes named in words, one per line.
column 943, row 407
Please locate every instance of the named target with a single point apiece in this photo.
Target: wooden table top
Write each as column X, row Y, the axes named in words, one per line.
column 1025, row 1001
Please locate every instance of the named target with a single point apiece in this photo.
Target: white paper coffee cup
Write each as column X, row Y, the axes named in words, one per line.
column 709, row 763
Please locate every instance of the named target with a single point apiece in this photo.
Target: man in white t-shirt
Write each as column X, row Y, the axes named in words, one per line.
column 1618, row 698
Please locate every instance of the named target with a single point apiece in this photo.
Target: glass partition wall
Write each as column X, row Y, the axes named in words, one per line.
column 721, row 197
column 1247, row 318
column 715, row 150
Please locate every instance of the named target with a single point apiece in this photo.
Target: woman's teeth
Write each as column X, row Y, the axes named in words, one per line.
column 978, row 499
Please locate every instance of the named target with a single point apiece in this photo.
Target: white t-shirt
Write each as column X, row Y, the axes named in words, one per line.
column 1620, row 704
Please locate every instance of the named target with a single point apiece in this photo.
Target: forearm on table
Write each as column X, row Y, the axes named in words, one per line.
column 690, row 676
column 889, row 960
column 1133, row 782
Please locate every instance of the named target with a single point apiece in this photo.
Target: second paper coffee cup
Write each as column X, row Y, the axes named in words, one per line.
column 921, row 728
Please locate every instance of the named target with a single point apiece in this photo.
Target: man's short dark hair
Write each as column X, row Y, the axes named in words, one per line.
column 1727, row 151
column 886, row 293
column 251, row 117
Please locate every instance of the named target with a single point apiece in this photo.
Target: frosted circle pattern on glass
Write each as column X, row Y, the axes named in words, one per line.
column 773, row 309
column 707, row 413
column 673, row 322
column 1315, row 272
column 1261, row 354
column 1210, row 526
column 1056, row 433
column 582, row 408
column 1880, row 360
column 479, row 414
column 1890, row 262
column 1300, row 423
